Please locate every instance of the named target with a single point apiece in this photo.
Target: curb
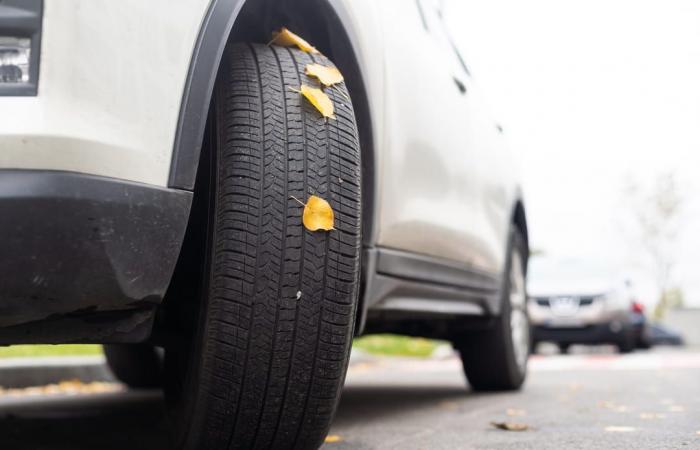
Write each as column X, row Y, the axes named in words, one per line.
column 27, row 372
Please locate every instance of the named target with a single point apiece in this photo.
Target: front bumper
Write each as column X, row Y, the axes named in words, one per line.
column 84, row 257
column 604, row 333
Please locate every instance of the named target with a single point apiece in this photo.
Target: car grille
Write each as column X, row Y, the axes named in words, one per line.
column 582, row 301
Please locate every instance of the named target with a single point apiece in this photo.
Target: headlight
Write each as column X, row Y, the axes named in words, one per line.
column 20, row 38
column 14, row 59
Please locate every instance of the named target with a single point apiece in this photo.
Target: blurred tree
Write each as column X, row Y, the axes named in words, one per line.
column 671, row 299
column 656, row 213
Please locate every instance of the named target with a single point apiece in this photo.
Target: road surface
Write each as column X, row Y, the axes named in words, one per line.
column 593, row 401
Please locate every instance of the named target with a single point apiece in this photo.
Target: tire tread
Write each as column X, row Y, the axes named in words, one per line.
column 272, row 365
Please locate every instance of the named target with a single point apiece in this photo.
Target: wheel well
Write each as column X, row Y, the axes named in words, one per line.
column 520, row 222
column 317, row 22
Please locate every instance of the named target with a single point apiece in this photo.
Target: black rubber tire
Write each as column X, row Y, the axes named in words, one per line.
column 627, row 342
column 138, row 366
column 277, row 317
column 488, row 357
column 564, row 347
column 533, row 346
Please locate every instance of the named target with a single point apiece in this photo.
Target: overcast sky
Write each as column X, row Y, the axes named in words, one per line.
column 590, row 93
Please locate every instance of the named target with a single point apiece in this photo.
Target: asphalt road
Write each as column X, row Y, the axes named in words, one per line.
column 601, row 401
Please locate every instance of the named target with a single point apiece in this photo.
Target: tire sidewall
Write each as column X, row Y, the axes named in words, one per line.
column 515, row 372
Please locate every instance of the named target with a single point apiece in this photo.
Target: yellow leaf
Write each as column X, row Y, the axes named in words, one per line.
column 328, row 76
column 510, row 426
column 286, row 38
column 319, row 99
column 332, row 438
column 318, row 214
column 448, row 405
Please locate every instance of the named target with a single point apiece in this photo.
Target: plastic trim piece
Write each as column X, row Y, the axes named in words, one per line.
column 435, row 270
column 199, row 86
column 405, row 282
column 80, row 247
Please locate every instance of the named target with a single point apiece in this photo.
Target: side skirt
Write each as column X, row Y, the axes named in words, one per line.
column 403, row 286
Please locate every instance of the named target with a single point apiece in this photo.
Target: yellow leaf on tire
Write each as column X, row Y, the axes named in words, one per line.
column 328, row 76
column 286, row 38
column 318, row 214
column 319, row 99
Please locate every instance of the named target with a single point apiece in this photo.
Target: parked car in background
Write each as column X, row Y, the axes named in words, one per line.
column 640, row 325
column 579, row 301
column 160, row 160
column 658, row 334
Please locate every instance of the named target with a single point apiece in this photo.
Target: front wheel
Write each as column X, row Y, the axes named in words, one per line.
column 496, row 358
column 627, row 341
column 266, row 363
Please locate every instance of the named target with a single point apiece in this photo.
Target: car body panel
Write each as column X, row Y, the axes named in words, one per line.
column 115, row 78
column 110, row 87
column 441, row 155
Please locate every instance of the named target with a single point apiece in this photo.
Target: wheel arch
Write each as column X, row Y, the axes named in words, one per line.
column 323, row 23
column 519, row 221
column 228, row 21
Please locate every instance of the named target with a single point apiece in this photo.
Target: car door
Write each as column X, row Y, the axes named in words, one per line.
column 428, row 186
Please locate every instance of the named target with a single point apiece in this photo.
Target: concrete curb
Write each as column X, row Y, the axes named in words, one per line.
column 25, row 372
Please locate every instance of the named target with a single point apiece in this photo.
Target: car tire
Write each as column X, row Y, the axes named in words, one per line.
column 139, row 366
column 564, row 347
column 495, row 359
column 533, row 346
column 265, row 366
column 626, row 343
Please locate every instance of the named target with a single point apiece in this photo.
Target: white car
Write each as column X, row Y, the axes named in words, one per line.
column 580, row 301
column 157, row 159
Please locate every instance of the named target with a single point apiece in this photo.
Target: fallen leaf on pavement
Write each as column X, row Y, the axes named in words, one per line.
column 332, row 438
column 448, row 405
column 614, row 406
column 649, row 416
column 510, row 426
column 286, row 38
column 620, row 429
column 328, row 76
column 515, row 412
column 69, row 387
column 575, row 386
